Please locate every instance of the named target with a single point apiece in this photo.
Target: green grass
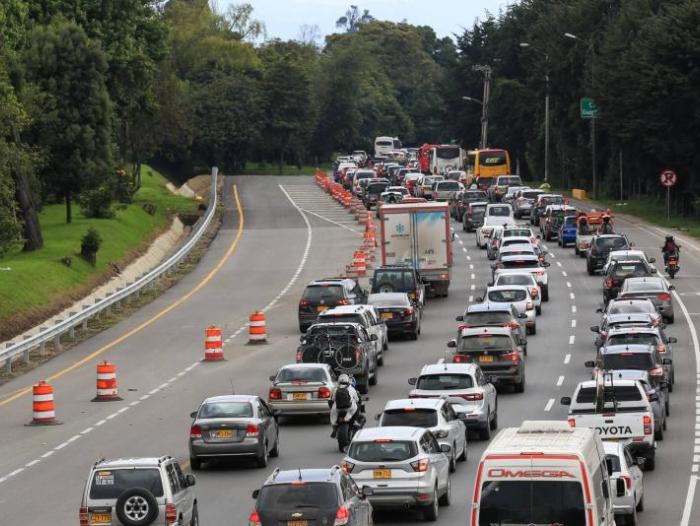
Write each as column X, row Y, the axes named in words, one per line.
column 39, row 279
column 263, row 168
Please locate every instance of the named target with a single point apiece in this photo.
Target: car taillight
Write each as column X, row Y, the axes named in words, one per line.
column 584, row 245
column 195, row 432
column 529, row 306
column 299, row 356
column 661, row 348
column 420, row 466
column 534, row 293
column 347, row 466
column 647, row 425
column 572, row 422
column 254, row 519
column 609, row 283
column 303, row 303
column 511, row 356
column 83, row 515
column 499, row 265
column 628, row 481
column 472, row 397
column 170, row 514
column 663, row 297
column 540, row 273
column 463, row 326
column 460, row 358
column 512, row 325
column 275, row 394
column 408, row 311
column 324, row 392
column 343, row 302
column 656, row 372
column 342, row 516
column 251, row 431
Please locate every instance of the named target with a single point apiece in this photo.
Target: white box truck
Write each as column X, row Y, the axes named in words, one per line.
column 418, row 234
column 544, row 472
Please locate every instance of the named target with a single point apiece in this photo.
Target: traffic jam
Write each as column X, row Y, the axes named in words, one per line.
column 587, row 470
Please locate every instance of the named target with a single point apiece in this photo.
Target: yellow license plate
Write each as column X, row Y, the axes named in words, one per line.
column 387, row 315
column 486, row 359
column 300, row 396
column 297, row 523
column 321, row 308
column 100, row 518
column 381, row 474
column 224, row 433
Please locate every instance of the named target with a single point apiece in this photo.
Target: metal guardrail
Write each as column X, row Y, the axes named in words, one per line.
column 14, row 349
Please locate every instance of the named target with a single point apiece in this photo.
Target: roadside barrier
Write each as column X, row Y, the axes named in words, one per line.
column 44, row 413
column 107, row 389
column 577, row 193
column 213, row 344
column 257, row 330
column 359, row 263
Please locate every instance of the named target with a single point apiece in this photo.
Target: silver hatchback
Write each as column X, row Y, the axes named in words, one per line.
column 653, row 288
column 302, row 389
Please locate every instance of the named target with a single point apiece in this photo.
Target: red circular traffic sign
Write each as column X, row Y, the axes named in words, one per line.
column 668, row 178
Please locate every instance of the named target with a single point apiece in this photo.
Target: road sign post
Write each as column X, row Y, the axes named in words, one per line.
column 668, row 178
column 589, row 110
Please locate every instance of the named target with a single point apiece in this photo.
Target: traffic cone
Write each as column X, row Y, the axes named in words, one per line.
column 213, row 344
column 107, row 389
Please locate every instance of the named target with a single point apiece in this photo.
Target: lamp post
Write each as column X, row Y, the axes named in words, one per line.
column 546, row 107
column 486, row 70
column 589, row 50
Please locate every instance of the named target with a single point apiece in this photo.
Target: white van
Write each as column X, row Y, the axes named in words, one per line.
column 544, row 472
column 384, row 146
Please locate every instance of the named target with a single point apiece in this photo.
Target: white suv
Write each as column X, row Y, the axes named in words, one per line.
column 365, row 315
column 138, row 492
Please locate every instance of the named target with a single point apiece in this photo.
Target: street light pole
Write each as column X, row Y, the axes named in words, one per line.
column 485, row 103
column 546, row 108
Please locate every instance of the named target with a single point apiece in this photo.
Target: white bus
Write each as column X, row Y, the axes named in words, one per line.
column 384, row 146
column 446, row 158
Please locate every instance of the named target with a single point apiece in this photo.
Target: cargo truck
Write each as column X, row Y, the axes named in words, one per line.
column 418, row 234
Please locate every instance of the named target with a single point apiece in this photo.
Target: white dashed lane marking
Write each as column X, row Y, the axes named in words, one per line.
column 549, row 405
column 560, row 381
column 567, row 359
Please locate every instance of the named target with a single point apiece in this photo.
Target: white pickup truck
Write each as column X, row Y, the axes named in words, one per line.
column 619, row 411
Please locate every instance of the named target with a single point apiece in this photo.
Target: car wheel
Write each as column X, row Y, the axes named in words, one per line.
column 375, row 377
column 431, row 512
column 463, row 456
column 538, row 309
column 640, row 505
column 446, row 498
column 494, row 420
column 659, row 435
column 195, row 464
column 649, row 463
column 485, row 432
column 276, row 450
column 194, row 521
column 631, row 519
column 414, row 335
column 302, row 328
column 261, row 460
column 667, row 406
column 664, row 425
column 545, row 292
column 534, row 329
column 453, row 459
column 520, row 387
column 576, row 250
column 380, row 360
column 362, row 386
column 137, row 507
column 670, row 319
column 589, row 269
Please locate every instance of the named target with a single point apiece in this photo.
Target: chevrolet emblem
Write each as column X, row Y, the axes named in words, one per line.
column 296, row 514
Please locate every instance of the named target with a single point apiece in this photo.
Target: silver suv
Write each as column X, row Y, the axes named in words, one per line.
column 138, row 492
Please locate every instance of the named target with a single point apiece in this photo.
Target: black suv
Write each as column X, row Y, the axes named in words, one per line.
column 601, row 245
column 399, row 278
column 324, row 294
column 311, row 496
column 619, row 271
column 462, row 199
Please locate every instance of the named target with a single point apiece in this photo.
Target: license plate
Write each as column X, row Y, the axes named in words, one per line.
column 297, row 523
column 485, row 359
column 223, row 433
column 100, row 518
column 321, row 308
column 381, row 474
column 300, row 396
column 387, row 315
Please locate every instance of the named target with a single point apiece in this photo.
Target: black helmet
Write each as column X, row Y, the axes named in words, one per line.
column 669, row 238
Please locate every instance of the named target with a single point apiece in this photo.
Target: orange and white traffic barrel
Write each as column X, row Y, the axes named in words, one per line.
column 257, row 329
column 359, row 263
column 213, row 344
column 107, row 389
column 43, row 410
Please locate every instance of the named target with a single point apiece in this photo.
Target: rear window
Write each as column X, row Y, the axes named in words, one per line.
column 626, row 270
column 633, row 360
column 644, row 286
column 298, row 495
column 614, row 243
column 515, row 279
column 486, row 181
column 499, row 211
column 521, row 232
column 477, row 319
column 520, row 263
column 622, row 393
column 383, row 451
column 509, row 181
column 530, row 195
column 486, row 342
column 397, row 280
column 226, row 410
column 323, row 292
column 384, row 143
column 383, row 301
column 376, row 188
column 445, row 382
column 345, row 317
column 448, row 185
column 492, row 159
column 633, row 338
column 627, row 308
column 570, row 220
column 478, row 209
column 474, row 196
column 109, row 484
column 507, row 295
column 412, row 417
column 301, row 374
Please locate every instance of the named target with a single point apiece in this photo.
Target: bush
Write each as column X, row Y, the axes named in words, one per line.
column 89, row 246
column 97, row 203
column 123, row 187
column 149, row 208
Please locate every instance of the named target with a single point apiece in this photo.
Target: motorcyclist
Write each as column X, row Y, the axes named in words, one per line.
column 583, row 227
column 670, row 248
column 345, row 399
column 606, row 226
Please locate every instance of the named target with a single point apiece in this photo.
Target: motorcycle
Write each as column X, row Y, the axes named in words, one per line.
column 349, row 425
column 672, row 267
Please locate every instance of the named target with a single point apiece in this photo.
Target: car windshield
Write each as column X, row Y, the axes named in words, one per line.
column 383, row 450
column 629, row 360
column 477, row 319
column 506, row 502
column 613, row 462
column 446, row 186
column 445, row 382
column 633, row 338
column 509, row 295
column 519, row 232
column 323, row 292
column 226, row 410
column 627, row 270
column 499, row 211
column 298, row 495
column 376, row 188
column 110, row 483
column 627, row 308
column 514, row 180
column 492, row 158
column 410, row 416
column 486, row 342
column 302, row 374
column 611, row 243
column 622, row 393
column 552, row 201
column 515, row 279
column 396, row 280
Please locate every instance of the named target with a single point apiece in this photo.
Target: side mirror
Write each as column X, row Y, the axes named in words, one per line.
column 479, row 299
column 191, row 481
column 589, row 363
column 595, row 328
column 256, row 493
column 671, row 287
column 654, row 397
column 546, row 264
column 620, row 487
column 653, row 271
column 373, row 338
column 652, row 260
column 452, row 344
column 445, row 448
column 193, row 414
column 377, row 417
column 522, row 316
column 272, row 377
column 667, row 361
column 302, row 338
column 459, row 318
column 412, row 381
column 672, row 339
column 565, row 400
column 367, row 491
column 599, row 310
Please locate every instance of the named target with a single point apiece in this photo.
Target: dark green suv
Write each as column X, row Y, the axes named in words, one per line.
column 399, row 278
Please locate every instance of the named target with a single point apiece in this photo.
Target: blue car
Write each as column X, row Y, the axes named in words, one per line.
column 567, row 231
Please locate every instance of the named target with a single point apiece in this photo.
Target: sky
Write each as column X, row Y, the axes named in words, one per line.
column 284, row 18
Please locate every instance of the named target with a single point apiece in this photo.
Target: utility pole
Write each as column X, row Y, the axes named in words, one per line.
column 526, row 45
column 486, row 70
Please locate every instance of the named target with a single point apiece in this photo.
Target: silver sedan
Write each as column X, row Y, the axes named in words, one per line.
column 302, row 389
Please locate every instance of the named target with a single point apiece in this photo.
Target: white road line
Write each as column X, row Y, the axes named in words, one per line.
column 573, row 309
column 460, row 241
column 563, row 273
column 86, row 430
column 572, row 295
column 471, row 266
column 172, row 379
column 560, row 381
column 189, row 368
column 163, row 385
column 47, row 454
column 464, row 250
column 549, row 405
column 154, row 391
column 469, row 258
column 473, row 287
column 558, row 264
column 30, row 464
column 320, row 216
column 471, row 299
column 98, row 424
column 113, row 415
column 573, row 324
column 135, row 402
column 15, row 472
column 567, row 359
column 572, row 339
column 473, row 276
column 568, row 284
column 62, row 445
column 122, row 410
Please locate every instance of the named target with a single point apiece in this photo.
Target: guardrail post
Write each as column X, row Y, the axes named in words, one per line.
column 25, row 354
column 72, row 329
column 85, row 321
column 42, row 345
column 8, row 362
column 108, row 308
column 57, row 338
column 98, row 314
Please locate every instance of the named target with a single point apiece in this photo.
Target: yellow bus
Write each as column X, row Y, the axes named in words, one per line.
column 488, row 163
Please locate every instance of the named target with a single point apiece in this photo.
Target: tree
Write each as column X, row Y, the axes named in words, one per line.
column 240, row 22
column 72, row 108
column 352, row 19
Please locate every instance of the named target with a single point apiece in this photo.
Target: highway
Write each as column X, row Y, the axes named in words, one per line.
column 265, row 253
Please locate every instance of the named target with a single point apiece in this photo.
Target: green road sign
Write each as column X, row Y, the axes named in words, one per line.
column 589, row 109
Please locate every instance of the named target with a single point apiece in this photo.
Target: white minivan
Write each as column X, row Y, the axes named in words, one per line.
column 384, row 146
column 544, row 472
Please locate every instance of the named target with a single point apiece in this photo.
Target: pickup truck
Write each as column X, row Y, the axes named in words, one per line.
column 619, row 411
column 586, row 226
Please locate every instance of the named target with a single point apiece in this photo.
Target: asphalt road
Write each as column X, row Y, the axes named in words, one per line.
column 42, row 470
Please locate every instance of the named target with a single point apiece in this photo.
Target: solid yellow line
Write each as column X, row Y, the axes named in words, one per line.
column 205, row 280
